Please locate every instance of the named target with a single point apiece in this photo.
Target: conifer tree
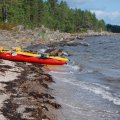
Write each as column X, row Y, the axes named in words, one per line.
column 50, row 13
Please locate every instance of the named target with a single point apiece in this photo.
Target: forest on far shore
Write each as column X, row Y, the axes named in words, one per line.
column 52, row 14
column 113, row 28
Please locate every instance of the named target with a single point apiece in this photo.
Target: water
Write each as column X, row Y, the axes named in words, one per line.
column 88, row 88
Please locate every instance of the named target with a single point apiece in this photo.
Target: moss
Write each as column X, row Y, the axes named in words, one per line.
column 6, row 26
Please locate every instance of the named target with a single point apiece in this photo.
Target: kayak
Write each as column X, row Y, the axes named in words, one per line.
column 38, row 55
column 35, row 55
column 24, row 58
column 19, row 51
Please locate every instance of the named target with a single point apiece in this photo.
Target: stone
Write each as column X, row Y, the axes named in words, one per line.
column 18, row 28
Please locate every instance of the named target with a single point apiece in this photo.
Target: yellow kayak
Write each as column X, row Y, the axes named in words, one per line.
column 35, row 55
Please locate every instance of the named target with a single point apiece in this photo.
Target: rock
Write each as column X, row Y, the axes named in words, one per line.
column 45, row 30
column 46, row 119
column 54, row 52
column 18, row 28
column 84, row 43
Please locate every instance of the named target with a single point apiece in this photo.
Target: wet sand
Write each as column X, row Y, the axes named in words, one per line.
column 25, row 92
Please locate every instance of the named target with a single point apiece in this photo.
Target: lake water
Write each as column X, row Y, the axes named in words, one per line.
column 88, row 88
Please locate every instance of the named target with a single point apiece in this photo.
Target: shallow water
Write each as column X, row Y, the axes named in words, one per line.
column 89, row 86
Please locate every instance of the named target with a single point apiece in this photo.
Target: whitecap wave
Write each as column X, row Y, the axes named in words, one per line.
column 79, row 109
column 111, row 74
column 96, row 88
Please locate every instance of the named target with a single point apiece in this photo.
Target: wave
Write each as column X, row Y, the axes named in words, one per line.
column 96, row 88
column 104, row 91
column 111, row 74
column 79, row 109
column 66, row 69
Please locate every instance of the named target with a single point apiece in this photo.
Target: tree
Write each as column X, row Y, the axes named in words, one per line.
column 50, row 13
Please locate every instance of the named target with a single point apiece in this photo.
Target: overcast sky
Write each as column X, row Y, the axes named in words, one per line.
column 108, row 10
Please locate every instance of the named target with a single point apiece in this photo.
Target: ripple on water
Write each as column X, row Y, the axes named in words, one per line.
column 88, row 87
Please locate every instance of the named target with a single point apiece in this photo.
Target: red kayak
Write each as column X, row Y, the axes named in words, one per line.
column 23, row 58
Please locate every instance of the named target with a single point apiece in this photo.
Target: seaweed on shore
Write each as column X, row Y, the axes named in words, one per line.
column 4, row 68
column 30, row 93
column 9, row 110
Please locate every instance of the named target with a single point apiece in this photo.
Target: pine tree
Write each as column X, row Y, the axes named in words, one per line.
column 50, row 13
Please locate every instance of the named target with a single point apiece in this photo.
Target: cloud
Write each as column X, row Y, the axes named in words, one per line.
column 108, row 10
column 77, row 3
column 102, row 14
column 112, row 17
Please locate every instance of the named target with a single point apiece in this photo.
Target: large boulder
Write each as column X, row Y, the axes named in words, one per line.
column 18, row 28
column 54, row 52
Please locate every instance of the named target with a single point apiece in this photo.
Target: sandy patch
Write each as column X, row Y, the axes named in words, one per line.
column 8, row 72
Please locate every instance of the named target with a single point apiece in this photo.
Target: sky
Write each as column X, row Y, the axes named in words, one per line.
column 108, row 10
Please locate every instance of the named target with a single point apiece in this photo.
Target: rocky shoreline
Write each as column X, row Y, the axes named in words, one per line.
column 21, row 37
column 28, row 96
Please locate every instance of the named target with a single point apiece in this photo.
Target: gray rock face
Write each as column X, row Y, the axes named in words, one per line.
column 3, row 38
column 19, row 28
column 20, row 37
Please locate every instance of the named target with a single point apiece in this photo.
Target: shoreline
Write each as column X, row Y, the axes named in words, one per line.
column 25, row 38
column 29, row 88
column 28, row 94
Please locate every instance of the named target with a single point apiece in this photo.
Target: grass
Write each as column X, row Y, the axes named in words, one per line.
column 6, row 26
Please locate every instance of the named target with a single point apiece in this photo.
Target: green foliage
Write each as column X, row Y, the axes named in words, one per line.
column 50, row 13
